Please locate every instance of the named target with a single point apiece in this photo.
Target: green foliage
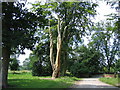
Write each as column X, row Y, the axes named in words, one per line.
column 26, row 80
column 74, row 16
column 41, row 70
column 78, row 68
column 104, row 39
column 14, row 64
column 26, row 64
column 39, row 59
column 18, row 31
column 117, row 65
column 37, row 69
column 19, row 26
column 86, row 61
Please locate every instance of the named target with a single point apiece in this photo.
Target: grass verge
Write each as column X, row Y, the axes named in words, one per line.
column 26, row 80
column 111, row 81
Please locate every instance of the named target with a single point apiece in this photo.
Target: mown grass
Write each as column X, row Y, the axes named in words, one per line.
column 111, row 81
column 26, row 80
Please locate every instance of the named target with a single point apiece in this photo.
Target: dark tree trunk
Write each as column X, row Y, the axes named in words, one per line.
column 5, row 64
column 109, row 64
column 64, row 63
column 109, row 67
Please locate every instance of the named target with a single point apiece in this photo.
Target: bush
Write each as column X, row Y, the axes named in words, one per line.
column 14, row 64
column 37, row 69
column 117, row 66
column 79, row 70
column 40, row 70
column 87, row 61
column 84, row 68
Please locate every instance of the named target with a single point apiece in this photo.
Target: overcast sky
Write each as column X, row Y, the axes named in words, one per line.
column 102, row 10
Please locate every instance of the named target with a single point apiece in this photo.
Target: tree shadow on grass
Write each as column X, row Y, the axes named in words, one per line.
column 36, row 83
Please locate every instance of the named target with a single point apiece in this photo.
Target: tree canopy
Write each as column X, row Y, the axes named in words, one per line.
column 66, row 21
column 18, row 32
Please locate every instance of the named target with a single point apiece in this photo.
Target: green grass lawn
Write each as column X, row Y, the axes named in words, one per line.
column 111, row 81
column 26, row 80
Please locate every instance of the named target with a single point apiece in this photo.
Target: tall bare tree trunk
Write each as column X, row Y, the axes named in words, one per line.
column 56, row 64
column 56, row 71
column 5, row 64
column 51, row 48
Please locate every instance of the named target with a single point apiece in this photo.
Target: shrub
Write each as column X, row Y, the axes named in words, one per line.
column 78, row 69
column 117, row 66
column 14, row 64
column 41, row 70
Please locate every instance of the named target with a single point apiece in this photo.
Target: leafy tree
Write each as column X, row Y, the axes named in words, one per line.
column 18, row 28
column 101, row 39
column 14, row 64
column 26, row 64
column 39, row 59
column 117, row 65
column 116, row 18
column 70, row 21
column 41, row 70
column 86, row 61
column 32, row 58
column 37, row 68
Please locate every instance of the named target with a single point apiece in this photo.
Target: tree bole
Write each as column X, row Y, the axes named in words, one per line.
column 5, row 64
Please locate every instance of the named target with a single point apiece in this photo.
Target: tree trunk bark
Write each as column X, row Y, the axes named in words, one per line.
column 5, row 64
column 64, row 63
column 109, row 65
column 56, row 71
column 51, row 48
column 64, row 60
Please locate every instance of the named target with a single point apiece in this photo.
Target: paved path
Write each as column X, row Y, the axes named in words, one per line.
column 91, row 83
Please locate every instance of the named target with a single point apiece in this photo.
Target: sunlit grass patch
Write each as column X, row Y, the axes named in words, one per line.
column 111, row 81
column 26, row 80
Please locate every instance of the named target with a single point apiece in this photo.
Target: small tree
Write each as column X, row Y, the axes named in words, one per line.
column 117, row 65
column 14, row 64
column 39, row 59
column 26, row 64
